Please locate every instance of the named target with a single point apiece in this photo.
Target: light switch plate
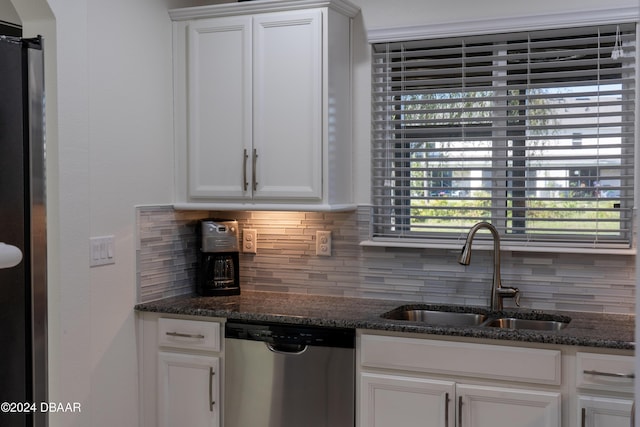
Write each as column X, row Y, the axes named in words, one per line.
column 249, row 241
column 101, row 251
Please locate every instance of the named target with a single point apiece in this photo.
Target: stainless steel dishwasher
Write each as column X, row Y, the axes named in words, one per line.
column 288, row 376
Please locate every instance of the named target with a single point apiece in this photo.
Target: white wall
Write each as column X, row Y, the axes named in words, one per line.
column 110, row 148
column 8, row 12
column 109, row 136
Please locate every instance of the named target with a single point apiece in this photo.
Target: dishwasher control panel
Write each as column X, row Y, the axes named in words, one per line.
column 275, row 333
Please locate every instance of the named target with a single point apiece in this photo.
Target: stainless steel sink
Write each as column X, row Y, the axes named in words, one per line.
column 536, row 325
column 436, row 317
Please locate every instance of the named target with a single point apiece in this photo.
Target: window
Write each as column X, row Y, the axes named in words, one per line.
column 532, row 132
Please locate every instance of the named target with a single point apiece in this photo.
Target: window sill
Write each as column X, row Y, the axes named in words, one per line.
column 488, row 245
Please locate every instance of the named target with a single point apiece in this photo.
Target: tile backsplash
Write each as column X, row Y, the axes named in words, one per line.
column 286, row 261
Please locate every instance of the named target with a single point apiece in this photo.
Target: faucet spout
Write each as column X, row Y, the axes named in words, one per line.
column 498, row 292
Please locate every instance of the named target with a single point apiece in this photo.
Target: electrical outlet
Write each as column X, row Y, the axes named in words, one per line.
column 323, row 243
column 249, row 241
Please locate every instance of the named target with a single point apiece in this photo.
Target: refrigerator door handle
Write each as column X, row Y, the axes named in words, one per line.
column 10, row 256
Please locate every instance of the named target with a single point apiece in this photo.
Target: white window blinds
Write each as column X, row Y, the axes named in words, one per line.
column 531, row 131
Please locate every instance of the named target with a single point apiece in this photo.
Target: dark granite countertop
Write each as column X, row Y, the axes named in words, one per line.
column 585, row 329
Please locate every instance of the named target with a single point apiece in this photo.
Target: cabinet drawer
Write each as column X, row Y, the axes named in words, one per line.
column 189, row 334
column 462, row 359
column 605, row 372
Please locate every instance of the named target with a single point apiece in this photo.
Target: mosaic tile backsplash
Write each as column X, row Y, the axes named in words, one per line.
column 286, row 262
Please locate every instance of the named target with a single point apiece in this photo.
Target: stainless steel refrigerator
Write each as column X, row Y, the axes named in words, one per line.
column 23, row 286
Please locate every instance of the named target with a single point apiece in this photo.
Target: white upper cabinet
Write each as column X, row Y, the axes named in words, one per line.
column 263, row 105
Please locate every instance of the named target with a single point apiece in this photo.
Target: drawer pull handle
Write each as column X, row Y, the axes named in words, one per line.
column 178, row 334
column 609, row 374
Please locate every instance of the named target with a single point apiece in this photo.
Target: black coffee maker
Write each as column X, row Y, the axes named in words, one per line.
column 218, row 260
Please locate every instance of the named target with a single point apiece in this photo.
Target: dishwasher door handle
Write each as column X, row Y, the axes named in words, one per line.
column 288, row 349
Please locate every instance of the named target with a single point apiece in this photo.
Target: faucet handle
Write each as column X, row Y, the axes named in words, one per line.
column 510, row 292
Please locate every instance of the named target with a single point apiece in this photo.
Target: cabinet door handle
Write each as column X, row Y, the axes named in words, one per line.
column 255, row 163
column 181, row 335
column 446, row 410
column 609, row 374
column 583, row 417
column 245, row 183
column 211, row 401
column 460, row 411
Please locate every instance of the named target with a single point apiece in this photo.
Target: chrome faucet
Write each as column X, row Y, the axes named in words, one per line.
column 498, row 292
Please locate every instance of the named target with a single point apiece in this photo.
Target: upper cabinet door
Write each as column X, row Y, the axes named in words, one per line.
column 219, row 106
column 287, row 104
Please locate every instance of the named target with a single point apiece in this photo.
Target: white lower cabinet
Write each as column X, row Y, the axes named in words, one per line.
column 597, row 411
column 188, row 373
column 605, row 384
column 188, row 390
column 406, row 381
column 396, row 400
column 181, row 366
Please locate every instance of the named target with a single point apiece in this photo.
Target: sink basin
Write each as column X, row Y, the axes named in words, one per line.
column 435, row 317
column 537, row 325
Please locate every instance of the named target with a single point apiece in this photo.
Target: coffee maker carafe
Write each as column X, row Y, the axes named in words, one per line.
column 218, row 269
